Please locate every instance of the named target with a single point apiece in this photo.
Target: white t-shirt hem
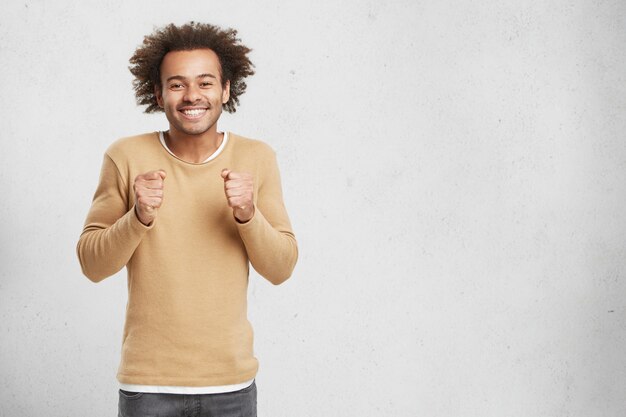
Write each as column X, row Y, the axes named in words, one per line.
column 164, row 389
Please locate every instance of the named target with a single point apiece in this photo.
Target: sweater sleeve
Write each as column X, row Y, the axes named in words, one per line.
column 268, row 236
column 112, row 232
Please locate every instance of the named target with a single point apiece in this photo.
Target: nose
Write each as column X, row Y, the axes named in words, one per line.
column 192, row 94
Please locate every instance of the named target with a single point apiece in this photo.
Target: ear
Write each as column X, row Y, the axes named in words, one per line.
column 159, row 95
column 226, row 92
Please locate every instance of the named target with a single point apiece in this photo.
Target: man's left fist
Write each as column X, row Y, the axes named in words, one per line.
column 239, row 190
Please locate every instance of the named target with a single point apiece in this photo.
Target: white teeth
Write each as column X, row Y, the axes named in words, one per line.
column 194, row 112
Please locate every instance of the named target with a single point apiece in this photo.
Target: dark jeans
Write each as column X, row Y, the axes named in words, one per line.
column 230, row 404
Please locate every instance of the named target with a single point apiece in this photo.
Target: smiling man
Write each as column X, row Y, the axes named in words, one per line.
column 186, row 211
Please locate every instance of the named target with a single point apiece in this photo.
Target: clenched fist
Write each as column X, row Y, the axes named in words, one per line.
column 148, row 195
column 239, row 190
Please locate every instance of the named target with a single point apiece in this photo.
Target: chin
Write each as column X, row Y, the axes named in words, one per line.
column 193, row 130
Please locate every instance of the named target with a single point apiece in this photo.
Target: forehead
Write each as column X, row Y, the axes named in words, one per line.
column 190, row 64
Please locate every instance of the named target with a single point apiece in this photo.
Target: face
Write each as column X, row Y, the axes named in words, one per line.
column 191, row 92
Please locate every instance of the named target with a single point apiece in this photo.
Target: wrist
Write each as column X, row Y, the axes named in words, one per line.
column 244, row 217
column 141, row 220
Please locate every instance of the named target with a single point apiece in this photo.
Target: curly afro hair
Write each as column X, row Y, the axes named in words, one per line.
column 233, row 57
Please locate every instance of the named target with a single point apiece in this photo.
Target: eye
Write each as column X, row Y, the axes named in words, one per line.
column 206, row 84
column 176, row 86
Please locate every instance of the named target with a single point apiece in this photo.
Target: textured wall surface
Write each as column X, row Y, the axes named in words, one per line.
column 455, row 172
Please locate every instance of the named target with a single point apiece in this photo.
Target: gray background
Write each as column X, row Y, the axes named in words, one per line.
column 455, row 173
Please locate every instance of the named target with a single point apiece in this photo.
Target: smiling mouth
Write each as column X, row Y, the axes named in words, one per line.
column 193, row 113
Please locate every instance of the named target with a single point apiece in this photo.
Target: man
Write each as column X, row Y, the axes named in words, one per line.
column 185, row 211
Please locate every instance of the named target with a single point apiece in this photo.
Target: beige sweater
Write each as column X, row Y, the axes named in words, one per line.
column 186, row 317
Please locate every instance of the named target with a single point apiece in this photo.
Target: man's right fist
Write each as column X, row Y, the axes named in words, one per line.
column 148, row 195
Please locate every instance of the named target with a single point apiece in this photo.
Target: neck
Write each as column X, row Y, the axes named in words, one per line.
column 193, row 148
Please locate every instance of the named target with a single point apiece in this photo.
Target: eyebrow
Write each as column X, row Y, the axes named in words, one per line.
column 180, row 77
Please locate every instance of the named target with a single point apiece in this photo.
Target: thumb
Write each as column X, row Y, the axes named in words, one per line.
column 162, row 174
column 225, row 173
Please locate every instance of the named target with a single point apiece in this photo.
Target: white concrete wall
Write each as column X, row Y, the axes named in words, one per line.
column 455, row 172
